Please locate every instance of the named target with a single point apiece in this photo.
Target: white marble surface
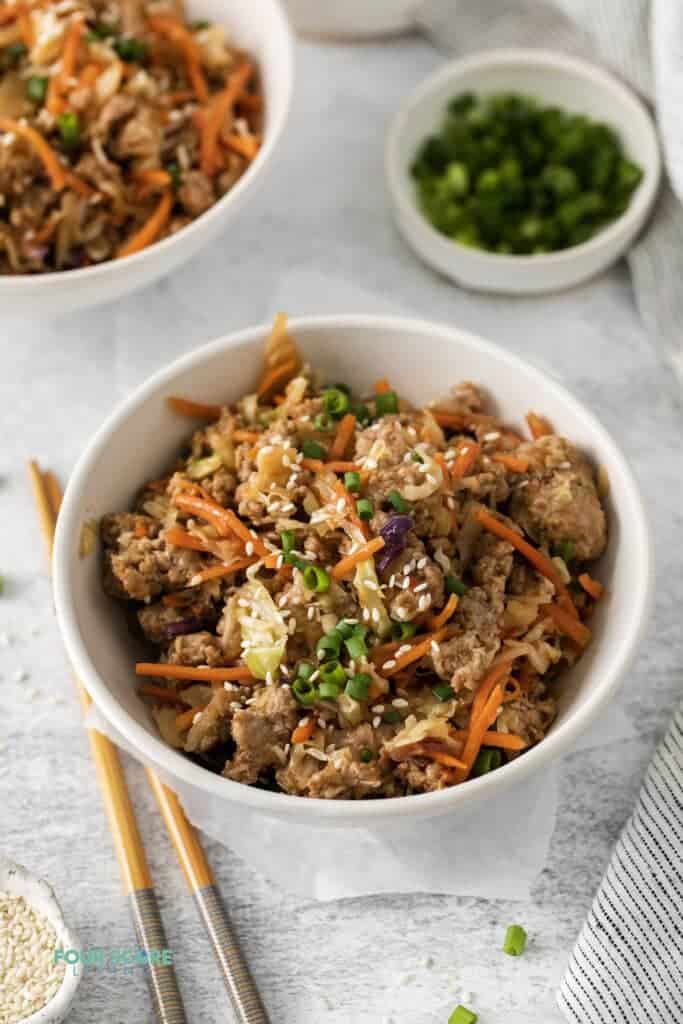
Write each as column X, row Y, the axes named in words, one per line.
column 318, row 238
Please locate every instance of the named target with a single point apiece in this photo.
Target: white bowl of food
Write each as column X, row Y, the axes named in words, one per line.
column 414, row 712
column 355, row 19
column 542, row 208
column 47, row 988
column 127, row 145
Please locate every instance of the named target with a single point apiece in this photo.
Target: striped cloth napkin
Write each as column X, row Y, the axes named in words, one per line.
column 627, row 966
column 642, row 42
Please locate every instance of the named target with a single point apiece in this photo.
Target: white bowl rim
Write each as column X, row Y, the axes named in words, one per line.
column 56, row 278
column 550, row 61
column 152, row 748
column 42, row 897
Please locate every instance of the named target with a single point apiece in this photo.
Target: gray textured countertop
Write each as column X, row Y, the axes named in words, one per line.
column 317, row 238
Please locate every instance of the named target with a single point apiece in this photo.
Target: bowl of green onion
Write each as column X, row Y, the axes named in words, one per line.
column 522, row 171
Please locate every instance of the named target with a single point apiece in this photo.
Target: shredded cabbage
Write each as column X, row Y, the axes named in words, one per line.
column 197, row 469
column 433, row 480
column 263, row 630
column 370, row 597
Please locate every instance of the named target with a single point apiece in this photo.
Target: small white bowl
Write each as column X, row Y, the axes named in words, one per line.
column 555, row 79
column 351, row 19
column 143, row 436
column 263, row 30
column 39, row 894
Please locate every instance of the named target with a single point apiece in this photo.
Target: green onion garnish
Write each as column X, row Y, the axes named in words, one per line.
column 487, row 760
column 366, row 755
column 362, row 413
column 455, row 586
column 305, row 670
column 69, row 129
column 335, row 402
column 13, row 53
column 443, row 691
column 352, row 482
column 403, row 630
column 391, row 716
column 332, row 672
column 399, row 503
column 356, row 646
column 313, row 450
column 329, row 645
column 346, row 629
column 36, row 88
column 461, row 1015
column 416, row 457
column 329, row 690
column 322, row 421
column 386, row 403
column 358, row 686
column 365, row 509
column 175, row 174
column 515, row 940
column 131, row 50
column 304, row 691
column 287, row 540
column 199, row 26
column 316, row 579
column 566, row 550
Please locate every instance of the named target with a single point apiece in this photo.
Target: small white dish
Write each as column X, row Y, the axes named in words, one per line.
column 40, row 895
column 263, row 30
column 556, row 79
column 423, row 360
column 352, row 19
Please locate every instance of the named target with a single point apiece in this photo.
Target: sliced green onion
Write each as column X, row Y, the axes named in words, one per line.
column 362, row 413
column 455, row 586
column 36, row 88
column 329, row 690
column 356, row 645
column 352, row 482
column 515, row 940
column 335, row 402
column 391, row 716
column 102, row 29
column 399, row 503
column 313, row 450
column 131, row 50
column 14, row 52
column 403, row 630
column 199, row 26
column 366, row 755
column 175, row 174
column 487, row 760
column 416, row 457
column 346, row 629
column 443, row 691
column 332, row 672
column 316, row 579
column 69, row 129
column 329, row 645
column 358, row 686
column 566, row 550
column 341, row 386
column 287, row 540
column 322, row 421
column 365, row 508
column 461, row 1015
column 386, row 403
column 305, row 670
column 304, row 691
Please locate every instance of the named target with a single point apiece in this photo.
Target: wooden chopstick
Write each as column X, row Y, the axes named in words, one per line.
column 130, row 853
column 200, row 879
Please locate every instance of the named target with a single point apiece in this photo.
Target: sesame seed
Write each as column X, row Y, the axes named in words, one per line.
column 450, row 502
column 340, row 505
column 392, row 579
column 399, row 702
column 366, row 615
column 197, row 718
column 376, row 722
column 378, row 709
column 371, row 585
column 279, row 562
column 493, row 436
column 288, row 507
column 434, row 647
column 403, row 649
column 406, row 583
column 314, row 676
column 391, row 663
column 375, row 615
column 422, row 563
column 420, row 587
column 292, row 626
column 371, row 464
column 310, row 613
column 249, row 548
column 303, row 721
column 424, row 602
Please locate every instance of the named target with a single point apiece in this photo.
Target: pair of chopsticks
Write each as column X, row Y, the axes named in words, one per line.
column 130, row 853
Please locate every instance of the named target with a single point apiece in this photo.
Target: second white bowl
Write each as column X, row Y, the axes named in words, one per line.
column 555, row 79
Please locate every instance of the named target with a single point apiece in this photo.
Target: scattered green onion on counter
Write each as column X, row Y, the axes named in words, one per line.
column 515, row 940
column 508, row 174
column 461, row 1015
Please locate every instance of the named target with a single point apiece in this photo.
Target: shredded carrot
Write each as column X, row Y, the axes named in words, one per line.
column 339, row 466
column 163, row 670
column 382, row 386
column 445, row 614
column 151, row 229
column 375, row 690
column 185, row 720
column 26, row 25
column 151, row 181
column 504, row 740
column 54, row 169
column 477, row 730
column 246, row 435
column 498, row 673
column 174, row 99
column 417, row 651
column 445, row 759
column 79, row 186
column 72, row 42
column 216, row 113
column 539, row 561
column 250, row 101
column 515, row 463
column 167, row 696
column 244, row 533
column 342, row 438
column 244, row 145
column 208, row 509
column 304, row 732
column 217, row 572
column 140, row 530
column 348, row 498
column 591, row 586
column 567, row 624
column 466, row 456
column 186, row 407
column 538, row 425
column 9, row 14
column 53, row 101
column 454, row 420
column 279, row 374
column 348, row 564
column 89, row 75
column 279, row 399
column 440, row 460
column 172, row 29
column 180, row 538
